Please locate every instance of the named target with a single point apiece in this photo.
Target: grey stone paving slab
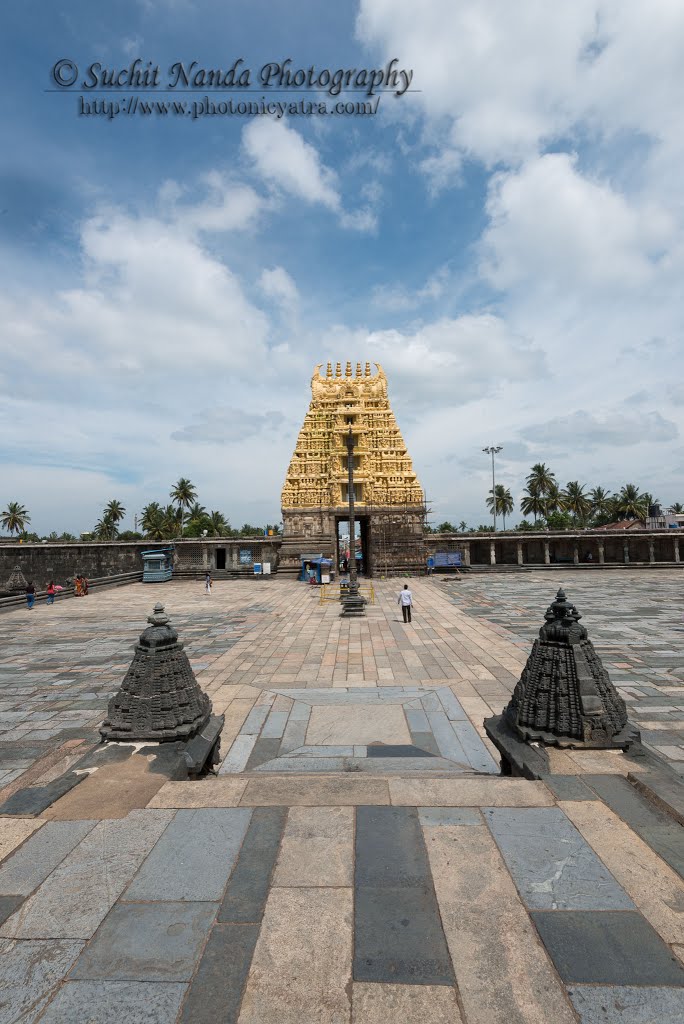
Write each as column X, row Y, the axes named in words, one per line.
column 274, row 725
column 553, row 867
column 417, row 720
column 569, row 787
column 322, row 751
column 8, row 905
column 451, row 705
column 395, row 750
column 238, row 755
column 254, row 721
column 40, row 854
column 668, row 842
column 79, row 893
column 627, row 1004
column 475, row 750
column 247, row 890
column 35, row 799
column 115, row 1002
column 29, row 973
column 216, row 990
column 445, row 737
column 426, row 741
column 147, row 942
column 194, row 857
column 627, row 803
column 398, row 936
column 431, row 816
column 607, row 948
column 263, row 750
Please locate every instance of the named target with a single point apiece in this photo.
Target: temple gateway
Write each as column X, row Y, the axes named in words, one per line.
column 389, row 501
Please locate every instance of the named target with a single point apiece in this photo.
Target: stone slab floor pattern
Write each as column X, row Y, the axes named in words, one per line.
column 357, row 859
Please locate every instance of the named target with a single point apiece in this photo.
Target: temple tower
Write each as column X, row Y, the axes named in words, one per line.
column 389, row 500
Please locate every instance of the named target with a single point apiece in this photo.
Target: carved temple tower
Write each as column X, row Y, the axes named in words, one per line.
column 389, row 501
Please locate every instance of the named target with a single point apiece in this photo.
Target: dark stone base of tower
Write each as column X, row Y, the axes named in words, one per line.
column 392, row 538
column 160, row 699
column 564, row 696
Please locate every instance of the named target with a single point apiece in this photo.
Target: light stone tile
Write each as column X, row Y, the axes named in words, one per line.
column 302, row 961
column 13, row 832
column 320, row 791
column 30, row 972
column 502, row 970
column 317, row 848
column 208, row 792
column 404, row 1004
column 32, row 864
column 349, row 725
column 81, row 891
column 238, row 755
column 461, row 792
column 655, row 888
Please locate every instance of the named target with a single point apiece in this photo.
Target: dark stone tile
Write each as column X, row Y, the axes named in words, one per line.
column 398, row 937
column 390, row 849
column 396, row 750
column 628, row 804
column 425, row 741
column 398, row 934
column 247, row 890
column 216, row 990
column 115, row 1002
column 569, row 787
column 36, row 799
column 8, row 904
column 264, row 750
column 668, row 842
column 625, row 1004
column 607, row 948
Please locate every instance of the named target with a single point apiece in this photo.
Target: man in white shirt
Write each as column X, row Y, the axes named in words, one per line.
column 405, row 599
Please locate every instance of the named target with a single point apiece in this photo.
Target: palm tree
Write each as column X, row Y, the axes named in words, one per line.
column 600, row 501
column 533, row 504
column 183, row 493
column 630, row 504
column 540, row 478
column 15, row 518
column 677, row 509
column 504, row 502
column 462, row 526
column 575, row 501
column 553, row 499
column 105, row 529
column 217, row 524
column 151, row 515
column 115, row 511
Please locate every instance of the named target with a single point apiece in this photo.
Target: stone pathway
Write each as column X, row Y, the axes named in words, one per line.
column 356, row 860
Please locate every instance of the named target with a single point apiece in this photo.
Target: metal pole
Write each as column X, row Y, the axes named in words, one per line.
column 493, row 490
column 353, row 579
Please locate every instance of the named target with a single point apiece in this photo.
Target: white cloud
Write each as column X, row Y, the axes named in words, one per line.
column 277, row 284
column 587, row 431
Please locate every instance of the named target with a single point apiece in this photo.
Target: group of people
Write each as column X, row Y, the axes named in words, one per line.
column 80, row 586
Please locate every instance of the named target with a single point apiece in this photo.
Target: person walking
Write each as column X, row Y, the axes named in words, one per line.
column 30, row 596
column 78, row 586
column 50, row 590
column 84, row 585
column 207, row 583
column 405, row 599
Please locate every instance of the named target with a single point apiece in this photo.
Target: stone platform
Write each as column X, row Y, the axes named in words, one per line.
column 357, row 859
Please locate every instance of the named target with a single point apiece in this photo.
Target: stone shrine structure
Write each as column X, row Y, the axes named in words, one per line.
column 388, row 499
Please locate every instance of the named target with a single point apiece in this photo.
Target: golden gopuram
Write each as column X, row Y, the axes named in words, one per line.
column 389, row 501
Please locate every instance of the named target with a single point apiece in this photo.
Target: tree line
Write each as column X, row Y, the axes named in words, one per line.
column 184, row 516
column 574, row 506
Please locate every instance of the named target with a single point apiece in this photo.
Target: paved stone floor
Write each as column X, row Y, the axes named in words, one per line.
column 357, row 859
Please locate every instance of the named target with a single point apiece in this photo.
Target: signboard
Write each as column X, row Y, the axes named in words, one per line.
column 447, row 559
column 257, row 568
column 266, row 568
column 245, row 556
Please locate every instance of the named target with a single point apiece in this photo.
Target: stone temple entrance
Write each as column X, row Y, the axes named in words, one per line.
column 363, row 543
column 389, row 501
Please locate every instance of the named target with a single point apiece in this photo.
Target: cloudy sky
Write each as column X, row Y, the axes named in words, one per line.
column 505, row 239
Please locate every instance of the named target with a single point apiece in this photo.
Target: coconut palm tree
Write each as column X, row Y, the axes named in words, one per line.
column 630, row 503
column 575, row 501
column 217, row 524
column 105, row 529
column 533, row 504
column 151, row 516
column 600, row 501
column 462, row 526
column 183, row 493
column 15, row 518
column 553, row 499
column 504, row 502
column 540, row 478
column 115, row 511
column 677, row 509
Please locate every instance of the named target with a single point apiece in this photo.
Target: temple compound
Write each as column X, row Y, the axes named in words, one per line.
column 389, row 501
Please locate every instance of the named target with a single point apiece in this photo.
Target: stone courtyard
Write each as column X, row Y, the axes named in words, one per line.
column 358, row 858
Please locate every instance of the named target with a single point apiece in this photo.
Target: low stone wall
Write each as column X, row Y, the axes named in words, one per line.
column 41, row 563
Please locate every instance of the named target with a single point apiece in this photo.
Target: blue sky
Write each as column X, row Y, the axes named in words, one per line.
column 506, row 241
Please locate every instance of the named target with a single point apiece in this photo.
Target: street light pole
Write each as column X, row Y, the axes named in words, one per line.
column 493, row 450
column 352, row 602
